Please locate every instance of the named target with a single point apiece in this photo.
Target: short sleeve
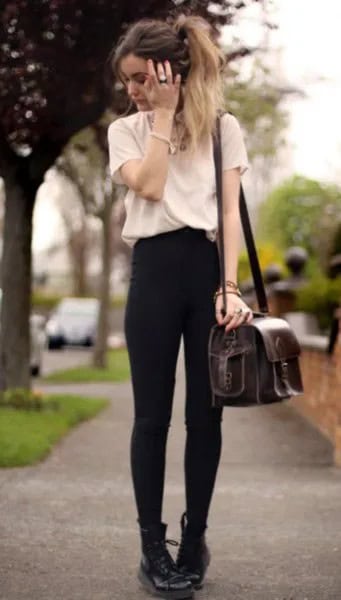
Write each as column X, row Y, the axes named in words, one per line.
column 233, row 146
column 122, row 147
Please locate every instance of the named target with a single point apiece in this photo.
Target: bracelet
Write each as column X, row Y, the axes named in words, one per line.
column 220, row 293
column 162, row 138
column 231, row 284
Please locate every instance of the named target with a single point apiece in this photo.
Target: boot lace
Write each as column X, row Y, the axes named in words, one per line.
column 159, row 554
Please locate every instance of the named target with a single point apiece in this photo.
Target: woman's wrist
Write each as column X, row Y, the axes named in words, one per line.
column 163, row 138
column 165, row 114
column 229, row 284
column 230, row 287
column 163, row 122
column 219, row 292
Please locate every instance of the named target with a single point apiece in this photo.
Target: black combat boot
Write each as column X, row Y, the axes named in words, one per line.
column 158, row 572
column 193, row 556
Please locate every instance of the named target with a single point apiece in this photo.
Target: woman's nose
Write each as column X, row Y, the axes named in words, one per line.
column 132, row 86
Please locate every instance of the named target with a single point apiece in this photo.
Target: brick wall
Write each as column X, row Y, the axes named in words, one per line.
column 321, row 402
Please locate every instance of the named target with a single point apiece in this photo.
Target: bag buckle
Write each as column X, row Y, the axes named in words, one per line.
column 284, row 370
column 228, row 381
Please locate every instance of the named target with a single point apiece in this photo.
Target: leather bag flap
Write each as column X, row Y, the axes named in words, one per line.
column 279, row 340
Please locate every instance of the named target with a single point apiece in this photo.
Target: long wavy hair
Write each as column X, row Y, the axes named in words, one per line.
column 190, row 47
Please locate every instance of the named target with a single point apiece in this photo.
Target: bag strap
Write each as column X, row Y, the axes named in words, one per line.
column 247, row 230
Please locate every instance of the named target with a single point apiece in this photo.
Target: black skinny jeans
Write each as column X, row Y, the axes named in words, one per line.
column 174, row 276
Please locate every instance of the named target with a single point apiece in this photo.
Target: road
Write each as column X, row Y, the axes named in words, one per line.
column 69, row 529
column 54, row 360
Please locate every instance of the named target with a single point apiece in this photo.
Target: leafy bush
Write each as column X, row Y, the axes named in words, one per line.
column 302, row 212
column 320, row 297
column 268, row 254
column 45, row 301
column 21, row 399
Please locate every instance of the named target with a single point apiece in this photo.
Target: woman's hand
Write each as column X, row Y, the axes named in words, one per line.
column 237, row 311
column 162, row 95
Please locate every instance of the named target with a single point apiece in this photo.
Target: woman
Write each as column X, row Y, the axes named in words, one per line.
column 163, row 154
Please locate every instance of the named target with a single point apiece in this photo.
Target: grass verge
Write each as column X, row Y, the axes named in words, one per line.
column 28, row 436
column 117, row 370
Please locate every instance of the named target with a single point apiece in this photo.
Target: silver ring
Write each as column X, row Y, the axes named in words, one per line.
column 163, row 79
column 238, row 311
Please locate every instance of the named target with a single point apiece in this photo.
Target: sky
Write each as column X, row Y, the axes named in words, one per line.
column 310, row 35
column 306, row 51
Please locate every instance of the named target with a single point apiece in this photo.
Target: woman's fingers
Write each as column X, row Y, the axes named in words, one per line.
column 235, row 321
column 161, row 73
column 168, row 72
column 148, row 84
column 234, row 316
column 151, row 72
column 163, row 95
column 249, row 316
column 224, row 319
column 177, row 81
column 219, row 313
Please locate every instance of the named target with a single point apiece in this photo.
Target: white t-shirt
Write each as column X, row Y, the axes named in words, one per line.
column 189, row 197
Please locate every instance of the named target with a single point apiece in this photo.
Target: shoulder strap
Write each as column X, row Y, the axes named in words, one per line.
column 247, row 230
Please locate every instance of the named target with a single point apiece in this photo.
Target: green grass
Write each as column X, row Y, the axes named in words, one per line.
column 118, row 301
column 47, row 302
column 28, row 436
column 118, row 370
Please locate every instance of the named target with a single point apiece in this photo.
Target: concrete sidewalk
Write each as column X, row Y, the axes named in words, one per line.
column 68, row 526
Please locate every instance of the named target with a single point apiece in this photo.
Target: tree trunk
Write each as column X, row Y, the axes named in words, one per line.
column 22, row 177
column 78, row 248
column 16, row 286
column 101, row 346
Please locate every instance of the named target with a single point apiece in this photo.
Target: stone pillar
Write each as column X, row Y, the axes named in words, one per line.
column 282, row 294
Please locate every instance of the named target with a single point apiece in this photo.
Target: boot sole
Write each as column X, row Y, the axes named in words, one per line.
column 199, row 586
column 154, row 592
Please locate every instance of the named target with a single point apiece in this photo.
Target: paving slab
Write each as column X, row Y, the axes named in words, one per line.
column 68, row 525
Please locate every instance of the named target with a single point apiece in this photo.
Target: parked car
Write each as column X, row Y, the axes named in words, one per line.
column 38, row 342
column 73, row 321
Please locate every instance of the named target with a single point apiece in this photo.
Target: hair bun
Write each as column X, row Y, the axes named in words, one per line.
column 181, row 28
column 182, row 33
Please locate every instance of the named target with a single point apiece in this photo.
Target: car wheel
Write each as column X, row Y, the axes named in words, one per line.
column 35, row 370
column 54, row 345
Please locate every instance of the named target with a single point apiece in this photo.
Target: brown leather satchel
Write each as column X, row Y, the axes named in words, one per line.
column 256, row 363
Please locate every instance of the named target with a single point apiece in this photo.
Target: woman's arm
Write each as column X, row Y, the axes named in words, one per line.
column 231, row 220
column 147, row 177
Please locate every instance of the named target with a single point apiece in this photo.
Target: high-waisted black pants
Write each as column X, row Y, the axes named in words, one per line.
column 174, row 276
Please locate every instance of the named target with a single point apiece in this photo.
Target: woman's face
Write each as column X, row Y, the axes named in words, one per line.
column 134, row 73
